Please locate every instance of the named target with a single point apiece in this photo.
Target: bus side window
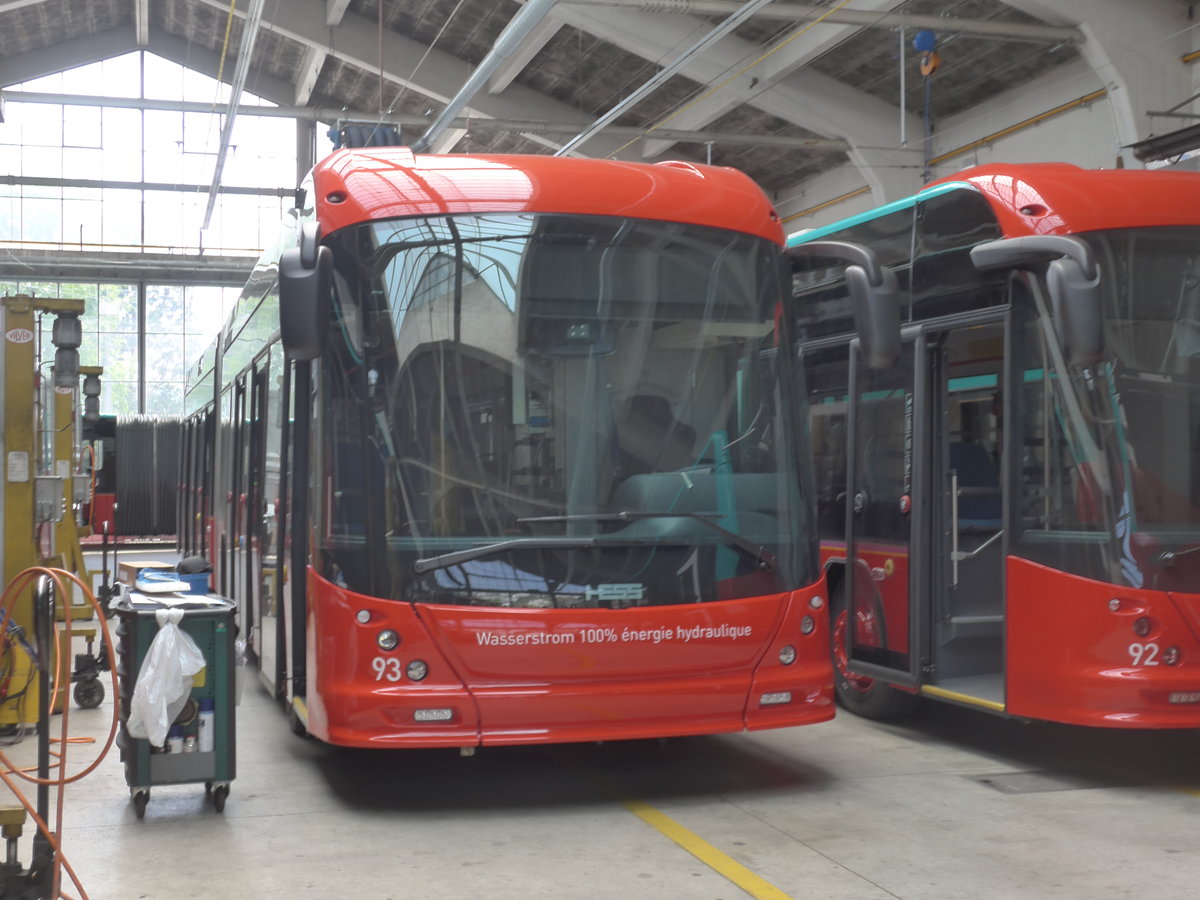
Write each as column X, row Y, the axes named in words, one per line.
column 824, row 374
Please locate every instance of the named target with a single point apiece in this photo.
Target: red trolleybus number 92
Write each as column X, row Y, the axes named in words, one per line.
column 1144, row 654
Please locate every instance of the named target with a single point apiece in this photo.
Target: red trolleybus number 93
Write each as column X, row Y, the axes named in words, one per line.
column 386, row 668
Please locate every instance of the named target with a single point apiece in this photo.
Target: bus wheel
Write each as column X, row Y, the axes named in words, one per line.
column 860, row 694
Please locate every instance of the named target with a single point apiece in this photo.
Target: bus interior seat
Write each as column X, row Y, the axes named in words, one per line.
column 650, row 438
column 974, row 466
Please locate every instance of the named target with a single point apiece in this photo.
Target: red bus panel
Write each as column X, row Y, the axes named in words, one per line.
column 512, row 676
column 1089, row 653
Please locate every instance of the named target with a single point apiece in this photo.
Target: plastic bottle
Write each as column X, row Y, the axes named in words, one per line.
column 204, row 733
column 175, row 739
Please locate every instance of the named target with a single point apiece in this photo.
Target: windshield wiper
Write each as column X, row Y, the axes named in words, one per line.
column 763, row 558
column 1167, row 558
column 455, row 557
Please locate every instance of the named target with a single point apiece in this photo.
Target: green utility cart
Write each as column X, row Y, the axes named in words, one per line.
column 192, row 757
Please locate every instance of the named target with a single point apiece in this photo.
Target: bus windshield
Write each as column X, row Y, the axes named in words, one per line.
column 536, row 410
column 1121, row 438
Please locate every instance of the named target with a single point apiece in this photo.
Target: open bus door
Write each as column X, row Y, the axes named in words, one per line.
column 966, row 530
column 924, row 532
column 880, row 632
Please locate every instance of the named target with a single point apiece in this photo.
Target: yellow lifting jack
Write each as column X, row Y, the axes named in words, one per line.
column 43, row 489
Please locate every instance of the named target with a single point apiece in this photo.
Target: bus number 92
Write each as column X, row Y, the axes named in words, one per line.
column 1144, row 654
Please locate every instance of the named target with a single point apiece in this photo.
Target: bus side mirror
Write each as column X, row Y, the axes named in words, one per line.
column 305, row 280
column 1078, row 311
column 874, row 297
column 1072, row 280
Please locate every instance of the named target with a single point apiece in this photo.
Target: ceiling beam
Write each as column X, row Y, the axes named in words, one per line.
column 811, row 39
column 310, row 69
column 79, row 51
column 808, row 99
column 465, row 124
column 440, row 76
column 813, row 101
column 727, row 25
column 208, row 62
column 334, row 10
column 506, row 43
column 124, row 266
column 448, row 140
column 795, row 12
column 804, row 44
column 524, row 54
column 141, row 22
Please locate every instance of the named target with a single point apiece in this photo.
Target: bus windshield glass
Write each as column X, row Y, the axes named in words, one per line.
column 535, row 410
column 1113, row 449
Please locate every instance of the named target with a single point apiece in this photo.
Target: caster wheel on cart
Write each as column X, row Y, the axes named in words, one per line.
column 140, row 799
column 220, row 792
column 89, row 693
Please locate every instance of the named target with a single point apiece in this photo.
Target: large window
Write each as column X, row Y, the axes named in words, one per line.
column 180, row 321
column 107, row 179
column 99, row 176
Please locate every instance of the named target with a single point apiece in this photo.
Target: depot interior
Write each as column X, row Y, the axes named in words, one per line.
column 149, row 149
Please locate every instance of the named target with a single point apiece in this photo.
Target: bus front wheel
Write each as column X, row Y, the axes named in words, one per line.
column 860, row 694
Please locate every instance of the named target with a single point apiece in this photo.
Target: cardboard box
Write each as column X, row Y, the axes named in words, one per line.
column 127, row 572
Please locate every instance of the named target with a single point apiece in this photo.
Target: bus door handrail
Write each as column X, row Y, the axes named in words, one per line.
column 956, row 555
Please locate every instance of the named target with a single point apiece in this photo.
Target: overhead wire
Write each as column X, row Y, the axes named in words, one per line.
column 714, row 88
column 424, row 56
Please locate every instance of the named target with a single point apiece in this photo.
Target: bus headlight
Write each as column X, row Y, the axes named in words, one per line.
column 787, row 655
column 387, row 639
column 1171, row 656
column 363, row 616
column 807, row 624
column 1143, row 625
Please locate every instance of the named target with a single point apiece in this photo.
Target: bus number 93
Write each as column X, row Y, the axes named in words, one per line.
column 388, row 668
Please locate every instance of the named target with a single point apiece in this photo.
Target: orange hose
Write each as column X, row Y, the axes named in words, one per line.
column 54, row 836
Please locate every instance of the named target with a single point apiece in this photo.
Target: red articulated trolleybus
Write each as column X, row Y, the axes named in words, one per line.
column 1010, row 514
column 502, row 450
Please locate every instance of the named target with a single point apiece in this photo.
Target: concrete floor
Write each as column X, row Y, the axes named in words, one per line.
column 951, row 804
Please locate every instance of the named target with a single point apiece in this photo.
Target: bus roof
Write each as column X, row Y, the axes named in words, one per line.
column 391, row 182
column 1058, row 198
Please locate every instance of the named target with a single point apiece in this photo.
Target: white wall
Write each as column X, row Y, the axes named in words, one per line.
column 1085, row 136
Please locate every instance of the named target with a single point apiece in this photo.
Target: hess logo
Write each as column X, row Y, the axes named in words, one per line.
column 615, row 595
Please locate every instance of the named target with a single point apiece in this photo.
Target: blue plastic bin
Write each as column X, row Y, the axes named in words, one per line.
column 197, row 583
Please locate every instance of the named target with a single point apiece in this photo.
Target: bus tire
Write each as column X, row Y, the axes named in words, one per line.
column 867, row 697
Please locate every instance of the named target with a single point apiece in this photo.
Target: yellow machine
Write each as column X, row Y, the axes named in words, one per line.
column 41, row 490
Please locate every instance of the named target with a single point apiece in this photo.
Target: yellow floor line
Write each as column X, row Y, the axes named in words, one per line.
column 752, row 884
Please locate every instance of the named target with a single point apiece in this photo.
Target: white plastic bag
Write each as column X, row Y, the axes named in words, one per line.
column 165, row 680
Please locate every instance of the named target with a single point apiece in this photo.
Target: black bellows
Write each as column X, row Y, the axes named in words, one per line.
column 147, row 451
